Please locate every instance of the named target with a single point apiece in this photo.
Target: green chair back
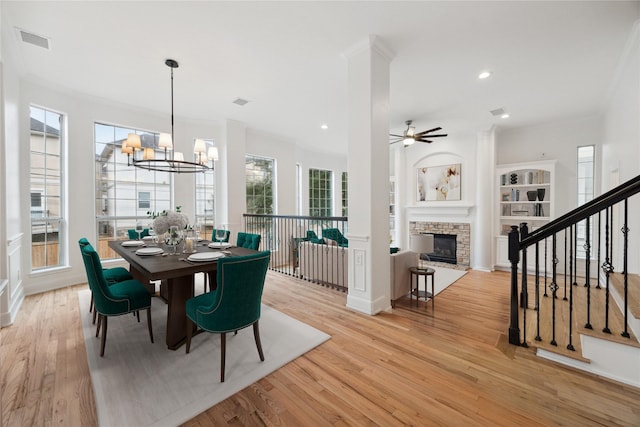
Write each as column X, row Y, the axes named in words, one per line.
column 248, row 240
column 335, row 234
column 236, row 302
column 133, row 234
column 227, row 233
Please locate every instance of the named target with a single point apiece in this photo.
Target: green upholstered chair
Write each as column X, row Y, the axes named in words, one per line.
column 133, row 234
column 313, row 237
column 335, row 234
column 111, row 275
column 235, row 303
column 120, row 298
column 215, row 239
column 248, row 240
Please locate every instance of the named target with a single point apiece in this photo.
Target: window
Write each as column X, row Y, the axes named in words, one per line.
column 345, row 194
column 320, row 195
column 122, row 191
column 586, row 168
column 47, row 189
column 144, row 200
column 259, row 176
column 205, row 198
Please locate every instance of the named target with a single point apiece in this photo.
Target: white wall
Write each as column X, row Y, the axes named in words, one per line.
column 621, row 140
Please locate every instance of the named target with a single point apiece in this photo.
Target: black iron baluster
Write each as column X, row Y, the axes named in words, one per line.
column 570, row 345
column 625, row 233
column 587, row 248
column 574, row 282
column 607, row 267
column 564, row 297
column 538, row 338
column 524, row 291
column 554, row 288
column 599, row 246
column 546, row 273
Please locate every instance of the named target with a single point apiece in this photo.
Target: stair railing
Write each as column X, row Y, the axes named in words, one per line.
column 520, row 240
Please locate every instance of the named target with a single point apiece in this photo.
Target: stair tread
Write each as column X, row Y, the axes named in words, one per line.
column 633, row 290
column 579, row 319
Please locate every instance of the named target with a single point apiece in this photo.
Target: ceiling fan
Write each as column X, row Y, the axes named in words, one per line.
column 410, row 136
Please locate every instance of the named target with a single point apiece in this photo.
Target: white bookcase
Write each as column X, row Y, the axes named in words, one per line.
column 525, row 194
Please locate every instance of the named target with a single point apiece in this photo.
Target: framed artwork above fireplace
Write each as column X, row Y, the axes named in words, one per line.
column 438, row 183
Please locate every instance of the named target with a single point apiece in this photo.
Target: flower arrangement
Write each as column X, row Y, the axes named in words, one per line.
column 162, row 221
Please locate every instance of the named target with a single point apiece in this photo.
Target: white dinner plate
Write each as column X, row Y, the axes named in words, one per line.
column 149, row 251
column 220, row 245
column 205, row 256
column 147, row 238
column 133, row 243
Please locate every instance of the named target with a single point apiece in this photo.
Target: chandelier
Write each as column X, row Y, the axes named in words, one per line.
column 145, row 158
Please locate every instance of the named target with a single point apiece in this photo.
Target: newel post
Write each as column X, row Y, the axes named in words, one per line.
column 514, row 258
column 524, row 292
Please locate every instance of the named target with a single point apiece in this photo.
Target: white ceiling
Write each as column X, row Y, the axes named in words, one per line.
column 550, row 60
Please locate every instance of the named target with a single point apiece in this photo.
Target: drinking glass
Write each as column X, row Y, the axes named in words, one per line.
column 139, row 229
column 221, row 233
column 173, row 238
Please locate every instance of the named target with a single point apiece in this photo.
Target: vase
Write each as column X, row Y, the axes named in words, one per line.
column 173, row 238
column 541, row 194
column 531, row 195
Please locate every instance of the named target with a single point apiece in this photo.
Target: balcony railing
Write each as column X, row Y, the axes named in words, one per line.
column 299, row 246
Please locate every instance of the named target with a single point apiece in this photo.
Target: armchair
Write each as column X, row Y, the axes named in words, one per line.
column 235, row 303
column 335, row 234
column 111, row 275
column 120, row 298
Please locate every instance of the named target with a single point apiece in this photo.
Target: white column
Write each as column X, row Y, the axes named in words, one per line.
column 368, row 154
column 230, row 177
column 399, row 159
column 483, row 236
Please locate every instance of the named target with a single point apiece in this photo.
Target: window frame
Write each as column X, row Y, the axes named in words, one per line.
column 41, row 217
column 583, row 195
column 320, row 197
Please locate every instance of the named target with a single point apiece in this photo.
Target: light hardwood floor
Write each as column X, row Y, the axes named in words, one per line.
column 453, row 367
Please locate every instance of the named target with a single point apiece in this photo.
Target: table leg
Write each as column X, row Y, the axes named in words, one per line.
column 179, row 290
column 433, row 290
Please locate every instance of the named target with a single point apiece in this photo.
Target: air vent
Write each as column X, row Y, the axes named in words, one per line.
column 498, row 112
column 33, row 39
column 240, row 102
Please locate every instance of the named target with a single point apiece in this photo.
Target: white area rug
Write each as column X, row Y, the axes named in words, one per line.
column 137, row 383
column 444, row 277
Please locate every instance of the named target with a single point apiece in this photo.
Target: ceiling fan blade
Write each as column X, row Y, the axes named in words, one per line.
column 427, row 131
column 424, row 140
column 433, row 136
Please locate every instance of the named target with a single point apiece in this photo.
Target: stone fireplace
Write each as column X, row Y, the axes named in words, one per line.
column 462, row 244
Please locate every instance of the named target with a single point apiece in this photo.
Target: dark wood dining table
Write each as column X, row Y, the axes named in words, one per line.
column 177, row 280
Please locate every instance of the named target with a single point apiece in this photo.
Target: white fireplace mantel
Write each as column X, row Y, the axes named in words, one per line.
column 441, row 209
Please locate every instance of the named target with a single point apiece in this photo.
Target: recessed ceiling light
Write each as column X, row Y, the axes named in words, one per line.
column 241, row 101
column 324, row 126
column 484, row 74
column 505, row 116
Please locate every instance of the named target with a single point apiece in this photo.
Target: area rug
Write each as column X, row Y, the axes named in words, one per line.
column 138, row 383
column 445, row 277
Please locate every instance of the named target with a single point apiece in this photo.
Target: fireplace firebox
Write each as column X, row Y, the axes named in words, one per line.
column 444, row 249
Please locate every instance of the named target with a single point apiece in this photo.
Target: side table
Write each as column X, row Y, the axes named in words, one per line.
column 417, row 272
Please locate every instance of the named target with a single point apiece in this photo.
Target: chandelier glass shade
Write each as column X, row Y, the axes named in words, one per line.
column 145, row 157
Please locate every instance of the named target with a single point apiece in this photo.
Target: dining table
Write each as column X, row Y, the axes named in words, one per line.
column 176, row 274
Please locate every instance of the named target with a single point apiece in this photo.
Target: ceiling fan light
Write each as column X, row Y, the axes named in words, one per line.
column 408, row 141
column 411, row 130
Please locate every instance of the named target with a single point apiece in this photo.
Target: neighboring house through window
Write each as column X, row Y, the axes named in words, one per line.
column 125, row 194
column 47, row 189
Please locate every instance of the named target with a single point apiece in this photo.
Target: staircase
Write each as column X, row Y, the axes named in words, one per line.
column 589, row 323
